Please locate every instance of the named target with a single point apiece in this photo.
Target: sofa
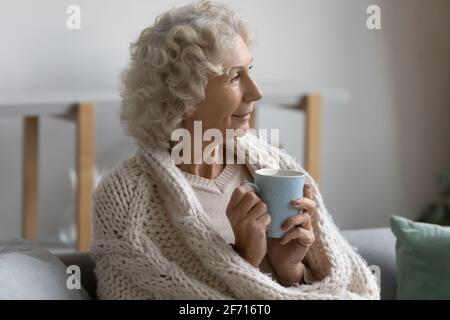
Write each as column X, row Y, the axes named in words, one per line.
column 376, row 246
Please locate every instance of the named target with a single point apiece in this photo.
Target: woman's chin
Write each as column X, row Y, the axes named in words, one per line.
column 240, row 127
column 241, row 131
column 243, row 126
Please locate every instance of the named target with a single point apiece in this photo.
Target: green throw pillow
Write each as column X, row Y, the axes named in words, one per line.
column 423, row 259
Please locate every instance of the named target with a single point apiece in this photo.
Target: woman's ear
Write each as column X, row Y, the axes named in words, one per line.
column 190, row 110
column 188, row 114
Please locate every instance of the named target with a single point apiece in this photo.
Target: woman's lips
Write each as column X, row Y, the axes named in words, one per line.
column 242, row 117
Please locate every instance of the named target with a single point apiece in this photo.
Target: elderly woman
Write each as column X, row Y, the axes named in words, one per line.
column 193, row 229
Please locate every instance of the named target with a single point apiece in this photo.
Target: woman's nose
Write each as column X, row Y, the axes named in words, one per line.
column 253, row 92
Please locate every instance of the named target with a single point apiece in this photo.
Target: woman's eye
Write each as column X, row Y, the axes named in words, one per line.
column 239, row 75
column 236, row 78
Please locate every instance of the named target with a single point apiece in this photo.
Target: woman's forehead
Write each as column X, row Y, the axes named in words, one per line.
column 240, row 55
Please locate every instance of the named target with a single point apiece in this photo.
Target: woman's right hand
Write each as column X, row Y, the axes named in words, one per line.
column 249, row 220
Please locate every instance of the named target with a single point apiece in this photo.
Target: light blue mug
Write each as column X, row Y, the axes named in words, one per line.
column 277, row 188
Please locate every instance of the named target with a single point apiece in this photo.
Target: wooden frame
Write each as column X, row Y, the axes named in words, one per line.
column 311, row 104
column 83, row 114
column 85, row 160
column 30, row 178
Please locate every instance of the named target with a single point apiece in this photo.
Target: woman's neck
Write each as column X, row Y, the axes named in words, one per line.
column 203, row 169
column 208, row 171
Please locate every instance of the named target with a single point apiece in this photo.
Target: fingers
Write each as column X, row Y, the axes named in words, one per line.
column 241, row 202
column 307, row 191
column 307, row 198
column 258, row 211
column 265, row 221
column 248, row 202
column 299, row 219
column 237, row 195
column 305, row 203
column 260, row 214
column 303, row 236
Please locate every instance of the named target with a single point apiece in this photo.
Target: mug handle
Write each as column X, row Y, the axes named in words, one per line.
column 251, row 184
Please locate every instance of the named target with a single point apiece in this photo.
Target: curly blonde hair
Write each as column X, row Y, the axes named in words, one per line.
column 170, row 65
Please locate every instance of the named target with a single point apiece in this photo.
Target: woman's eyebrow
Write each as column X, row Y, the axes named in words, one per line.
column 240, row 67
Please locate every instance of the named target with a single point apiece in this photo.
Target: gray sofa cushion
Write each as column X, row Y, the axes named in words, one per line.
column 29, row 271
column 377, row 247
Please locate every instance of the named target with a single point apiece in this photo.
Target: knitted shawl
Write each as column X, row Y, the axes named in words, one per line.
column 153, row 240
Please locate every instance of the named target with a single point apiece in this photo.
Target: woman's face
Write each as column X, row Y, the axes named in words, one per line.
column 229, row 98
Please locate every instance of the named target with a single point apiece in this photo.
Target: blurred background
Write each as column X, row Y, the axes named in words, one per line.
column 386, row 102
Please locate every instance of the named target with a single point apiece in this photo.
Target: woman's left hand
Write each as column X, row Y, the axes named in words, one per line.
column 286, row 253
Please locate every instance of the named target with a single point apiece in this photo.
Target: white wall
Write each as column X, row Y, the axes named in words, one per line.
column 386, row 94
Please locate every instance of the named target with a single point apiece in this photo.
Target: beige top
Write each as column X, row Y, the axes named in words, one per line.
column 214, row 195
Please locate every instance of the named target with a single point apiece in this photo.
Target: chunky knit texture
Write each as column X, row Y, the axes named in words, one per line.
column 152, row 239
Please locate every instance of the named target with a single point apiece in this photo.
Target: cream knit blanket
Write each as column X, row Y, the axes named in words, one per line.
column 152, row 239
